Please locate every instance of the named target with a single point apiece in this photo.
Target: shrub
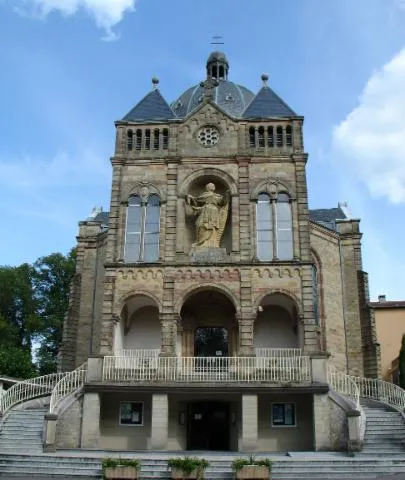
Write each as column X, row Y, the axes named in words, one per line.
column 239, row 463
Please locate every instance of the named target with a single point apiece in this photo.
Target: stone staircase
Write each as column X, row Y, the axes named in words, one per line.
column 385, row 431
column 21, row 455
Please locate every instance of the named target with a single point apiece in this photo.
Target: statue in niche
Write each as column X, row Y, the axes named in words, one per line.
column 210, row 210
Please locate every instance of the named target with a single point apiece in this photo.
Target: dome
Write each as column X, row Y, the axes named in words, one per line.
column 217, row 57
column 229, row 96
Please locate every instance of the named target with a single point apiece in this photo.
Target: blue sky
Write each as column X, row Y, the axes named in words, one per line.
column 69, row 68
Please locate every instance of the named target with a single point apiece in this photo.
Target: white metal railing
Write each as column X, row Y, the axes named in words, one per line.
column 139, row 352
column 207, row 369
column 278, row 352
column 380, row 390
column 27, row 389
column 71, row 382
column 344, row 384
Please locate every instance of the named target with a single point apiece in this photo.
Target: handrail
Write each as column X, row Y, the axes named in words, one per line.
column 377, row 389
column 207, row 369
column 344, row 384
column 28, row 389
column 71, row 382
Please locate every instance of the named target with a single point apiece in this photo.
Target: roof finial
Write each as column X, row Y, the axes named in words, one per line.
column 265, row 79
column 155, row 82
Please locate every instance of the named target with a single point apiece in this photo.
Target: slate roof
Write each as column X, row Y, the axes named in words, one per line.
column 267, row 104
column 230, row 97
column 102, row 217
column 153, row 107
column 327, row 216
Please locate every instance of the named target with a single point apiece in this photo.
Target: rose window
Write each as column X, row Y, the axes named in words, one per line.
column 208, row 136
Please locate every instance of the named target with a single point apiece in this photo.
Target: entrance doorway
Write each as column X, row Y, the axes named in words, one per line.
column 208, row 426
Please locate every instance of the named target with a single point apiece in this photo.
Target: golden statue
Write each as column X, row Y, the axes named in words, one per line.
column 211, row 212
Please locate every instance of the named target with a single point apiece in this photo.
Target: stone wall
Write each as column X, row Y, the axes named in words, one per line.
column 68, row 426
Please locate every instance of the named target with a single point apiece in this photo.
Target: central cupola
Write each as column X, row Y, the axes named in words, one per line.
column 217, row 66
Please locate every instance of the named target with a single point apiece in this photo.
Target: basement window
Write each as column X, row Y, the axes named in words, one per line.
column 131, row 414
column 283, row 415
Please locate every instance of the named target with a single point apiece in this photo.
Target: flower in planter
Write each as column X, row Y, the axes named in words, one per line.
column 187, row 467
column 252, row 467
column 120, row 468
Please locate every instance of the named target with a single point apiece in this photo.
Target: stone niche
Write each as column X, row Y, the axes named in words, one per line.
column 203, row 253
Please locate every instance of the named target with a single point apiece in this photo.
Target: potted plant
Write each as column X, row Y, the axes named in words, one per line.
column 252, row 468
column 187, row 468
column 119, row 468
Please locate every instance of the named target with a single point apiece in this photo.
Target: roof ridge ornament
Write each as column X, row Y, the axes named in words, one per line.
column 155, row 83
column 265, row 79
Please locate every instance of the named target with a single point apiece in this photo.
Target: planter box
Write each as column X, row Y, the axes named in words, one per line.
column 121, row 473
column 178, row 474
column 253, row 472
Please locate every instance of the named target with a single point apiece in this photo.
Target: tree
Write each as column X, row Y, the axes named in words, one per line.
column 18, row 320
column 51, row 282
column 402, row 363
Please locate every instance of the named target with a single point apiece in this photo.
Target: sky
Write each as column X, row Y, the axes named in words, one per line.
column 70, row 68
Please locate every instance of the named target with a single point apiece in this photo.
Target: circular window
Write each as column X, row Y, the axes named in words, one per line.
column 208, row 136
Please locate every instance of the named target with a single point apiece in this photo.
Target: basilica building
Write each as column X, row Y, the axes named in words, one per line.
column 210, row 303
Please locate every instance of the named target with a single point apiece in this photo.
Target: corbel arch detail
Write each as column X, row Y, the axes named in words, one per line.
column 273, row 187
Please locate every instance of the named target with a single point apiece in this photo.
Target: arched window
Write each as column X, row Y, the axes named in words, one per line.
column 138, row 139
column 284, row 227
column 165, row 143
column 142, row 229
column 288, row 136
column 156, row 139
column 261, row 136
column 264, row 221
column 252, row 142
column 270, row 136
column 279, row 136
column 129, row 139
column 221, row 72
column 315, row 295
column 274, row 227
column 147, row 139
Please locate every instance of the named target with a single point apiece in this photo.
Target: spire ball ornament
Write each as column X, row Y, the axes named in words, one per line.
column 155, row 82
column 265, row 79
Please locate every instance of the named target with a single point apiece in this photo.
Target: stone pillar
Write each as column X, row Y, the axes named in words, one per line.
column 321, row 421
column 160, row 422
column 354, row 424
column 91, row 421
column 249, row 423
column 168, row 334
column 94, row 369
column 50, row 432
column 319, row 368
column 246, row 345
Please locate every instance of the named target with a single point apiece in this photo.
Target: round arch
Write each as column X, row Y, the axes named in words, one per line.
column 285, row 293
column 140, row 188
column 208, row 172
column 204, row 287
column 272, row 186
column 121, row 302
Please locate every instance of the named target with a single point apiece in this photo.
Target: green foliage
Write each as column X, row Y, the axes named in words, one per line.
column 189, row 464
column 402, row 363
column 16, row 362
column 119, row 462
column 33, row 302
column 51, row 280
column 239, row 463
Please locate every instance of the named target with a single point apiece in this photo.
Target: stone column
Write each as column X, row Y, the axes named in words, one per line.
column 246, row 326
column 160, row 422
column 168, row 334
column 249, row 423
column 50, row 432
column 91, row 421
column 321, row 422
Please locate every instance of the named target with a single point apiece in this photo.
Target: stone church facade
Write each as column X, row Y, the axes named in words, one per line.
column 210, row 301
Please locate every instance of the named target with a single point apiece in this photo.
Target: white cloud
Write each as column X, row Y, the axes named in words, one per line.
column 370, row 142
column 106, row 13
